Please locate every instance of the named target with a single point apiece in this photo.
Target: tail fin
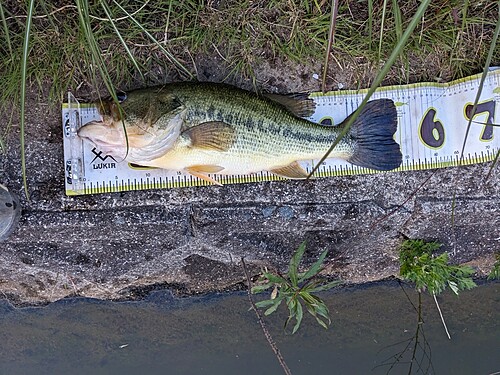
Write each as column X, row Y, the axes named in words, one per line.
column 373, row 131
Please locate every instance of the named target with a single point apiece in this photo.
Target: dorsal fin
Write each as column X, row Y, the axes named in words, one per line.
column 212, row 135
column 299, row 104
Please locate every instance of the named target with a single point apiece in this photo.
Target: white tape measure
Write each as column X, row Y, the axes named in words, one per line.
column 432, row 123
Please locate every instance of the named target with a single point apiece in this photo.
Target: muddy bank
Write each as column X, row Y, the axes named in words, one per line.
column 121, row 245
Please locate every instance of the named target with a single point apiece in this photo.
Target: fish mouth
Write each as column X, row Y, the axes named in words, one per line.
column 136, row 142
column 106, row 138
column 135, row 146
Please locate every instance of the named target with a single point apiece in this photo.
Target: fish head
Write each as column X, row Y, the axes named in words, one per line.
column 142, row 127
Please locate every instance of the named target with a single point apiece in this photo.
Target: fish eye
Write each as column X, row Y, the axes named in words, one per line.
column 121, row 97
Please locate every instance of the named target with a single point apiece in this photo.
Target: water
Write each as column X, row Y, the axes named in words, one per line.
column 219, row 335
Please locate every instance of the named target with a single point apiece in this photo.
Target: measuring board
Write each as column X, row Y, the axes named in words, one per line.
column 432, row 123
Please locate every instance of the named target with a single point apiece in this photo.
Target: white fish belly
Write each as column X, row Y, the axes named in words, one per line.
column 233, row 163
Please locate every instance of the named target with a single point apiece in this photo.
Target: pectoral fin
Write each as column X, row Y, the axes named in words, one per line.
column 201, row 171
column 212, row 135
column 293, row 170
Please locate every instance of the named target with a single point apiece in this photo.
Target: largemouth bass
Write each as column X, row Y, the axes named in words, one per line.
column 209, row 128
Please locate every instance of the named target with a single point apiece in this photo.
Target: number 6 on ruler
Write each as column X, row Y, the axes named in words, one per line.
column 431, row 131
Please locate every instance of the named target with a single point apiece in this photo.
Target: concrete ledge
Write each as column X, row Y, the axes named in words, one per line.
column 121, row 245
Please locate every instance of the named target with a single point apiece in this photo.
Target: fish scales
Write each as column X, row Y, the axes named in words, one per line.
column 262, row 125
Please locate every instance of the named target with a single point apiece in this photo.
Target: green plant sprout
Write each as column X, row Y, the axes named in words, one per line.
column 432, row 273
column 495, row 271
column 428, row 273
column 297, row 288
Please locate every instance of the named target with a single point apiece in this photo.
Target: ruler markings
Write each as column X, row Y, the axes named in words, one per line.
column 88, row 171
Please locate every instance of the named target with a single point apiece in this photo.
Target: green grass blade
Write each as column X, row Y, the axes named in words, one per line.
column 487, row 64
column 325, row 287
column 382, row 22
column 308, row 298
column 481, row 82
column 260, row 288
column 299, row 313
column 276, row 279
column 370, row 22
column 275, row 304
column 321, row 323
column 331, row 38
column 6, row 30
column 294, row 263
column 169, row 13
column 465, row 9
column 318, row 6
column 24, row 69
column 153, row 39
column 45, row 10
column 315, row 268
column 106, row 9
column 379, row 78
column 97, row 59
column 320, row 308
column 398, row 21
column 265, row 303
